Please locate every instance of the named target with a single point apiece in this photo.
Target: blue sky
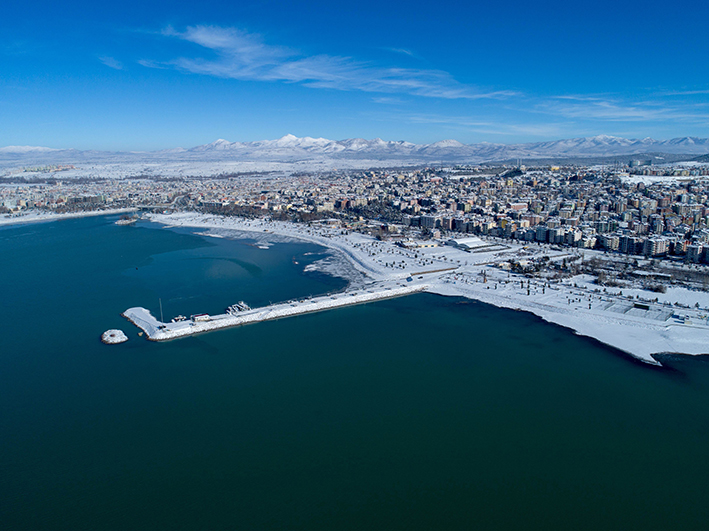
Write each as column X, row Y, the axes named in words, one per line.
column 153, row 75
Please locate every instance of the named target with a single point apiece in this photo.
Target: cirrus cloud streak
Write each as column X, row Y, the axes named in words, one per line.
column 236, row 54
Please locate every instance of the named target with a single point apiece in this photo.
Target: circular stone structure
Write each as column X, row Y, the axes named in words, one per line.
column 113, row 337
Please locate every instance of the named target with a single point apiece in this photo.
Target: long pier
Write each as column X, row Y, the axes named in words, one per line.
column 158, row 331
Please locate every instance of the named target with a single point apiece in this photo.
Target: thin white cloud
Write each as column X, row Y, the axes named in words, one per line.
column 388, row 100
column 111, row 62
column 613, row 110
column 18, row 47
column 402, row 51
column 469, row 124
column 685, row 92
column 241, row 55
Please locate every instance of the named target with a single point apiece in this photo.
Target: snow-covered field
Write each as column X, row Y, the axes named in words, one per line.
column 200, row 168
column 632, row 321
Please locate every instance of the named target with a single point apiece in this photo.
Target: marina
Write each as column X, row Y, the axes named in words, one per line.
column 240, row 313
column 634, row 320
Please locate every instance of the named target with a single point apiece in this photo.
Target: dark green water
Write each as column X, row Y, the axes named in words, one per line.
column 417, row 413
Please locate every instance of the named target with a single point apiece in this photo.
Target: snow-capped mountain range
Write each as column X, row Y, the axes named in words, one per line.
column 601, row 145
column 293, row 149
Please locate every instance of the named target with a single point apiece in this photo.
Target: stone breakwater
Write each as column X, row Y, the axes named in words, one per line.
column 158, row 331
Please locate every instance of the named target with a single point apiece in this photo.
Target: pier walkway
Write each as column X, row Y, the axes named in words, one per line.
column 157, row 331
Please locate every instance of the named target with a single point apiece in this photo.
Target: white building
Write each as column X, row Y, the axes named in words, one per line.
column 467, row 244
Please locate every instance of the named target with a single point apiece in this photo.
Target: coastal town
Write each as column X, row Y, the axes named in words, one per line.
column 617, row 253
column 332, row 266
column 635, row 209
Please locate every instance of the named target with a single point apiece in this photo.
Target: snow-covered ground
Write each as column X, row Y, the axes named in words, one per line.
column 36, row 217
column 196, row 168
column 631, row 321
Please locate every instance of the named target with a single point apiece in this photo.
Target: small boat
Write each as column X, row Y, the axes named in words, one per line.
column 127, row 220
column 240, row 306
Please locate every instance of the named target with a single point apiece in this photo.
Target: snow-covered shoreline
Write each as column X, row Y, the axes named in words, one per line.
column 636, row 325
column 42, row 217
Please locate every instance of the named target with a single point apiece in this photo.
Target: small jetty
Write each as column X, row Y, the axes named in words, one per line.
column 113, row 337
column 241, row 314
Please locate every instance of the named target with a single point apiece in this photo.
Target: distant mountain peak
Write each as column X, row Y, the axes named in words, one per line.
column 26, row 149
column 447, row 144
column 290, row 148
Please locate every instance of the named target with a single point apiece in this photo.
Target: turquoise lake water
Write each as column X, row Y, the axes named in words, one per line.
column 423, row 412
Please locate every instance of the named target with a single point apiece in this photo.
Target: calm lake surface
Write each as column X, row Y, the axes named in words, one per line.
column 423, row 412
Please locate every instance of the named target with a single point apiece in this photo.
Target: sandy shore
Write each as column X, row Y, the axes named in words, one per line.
column 632, row 322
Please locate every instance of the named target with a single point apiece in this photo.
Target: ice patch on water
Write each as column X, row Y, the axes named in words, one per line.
column 262, row 240
column 336, row 265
